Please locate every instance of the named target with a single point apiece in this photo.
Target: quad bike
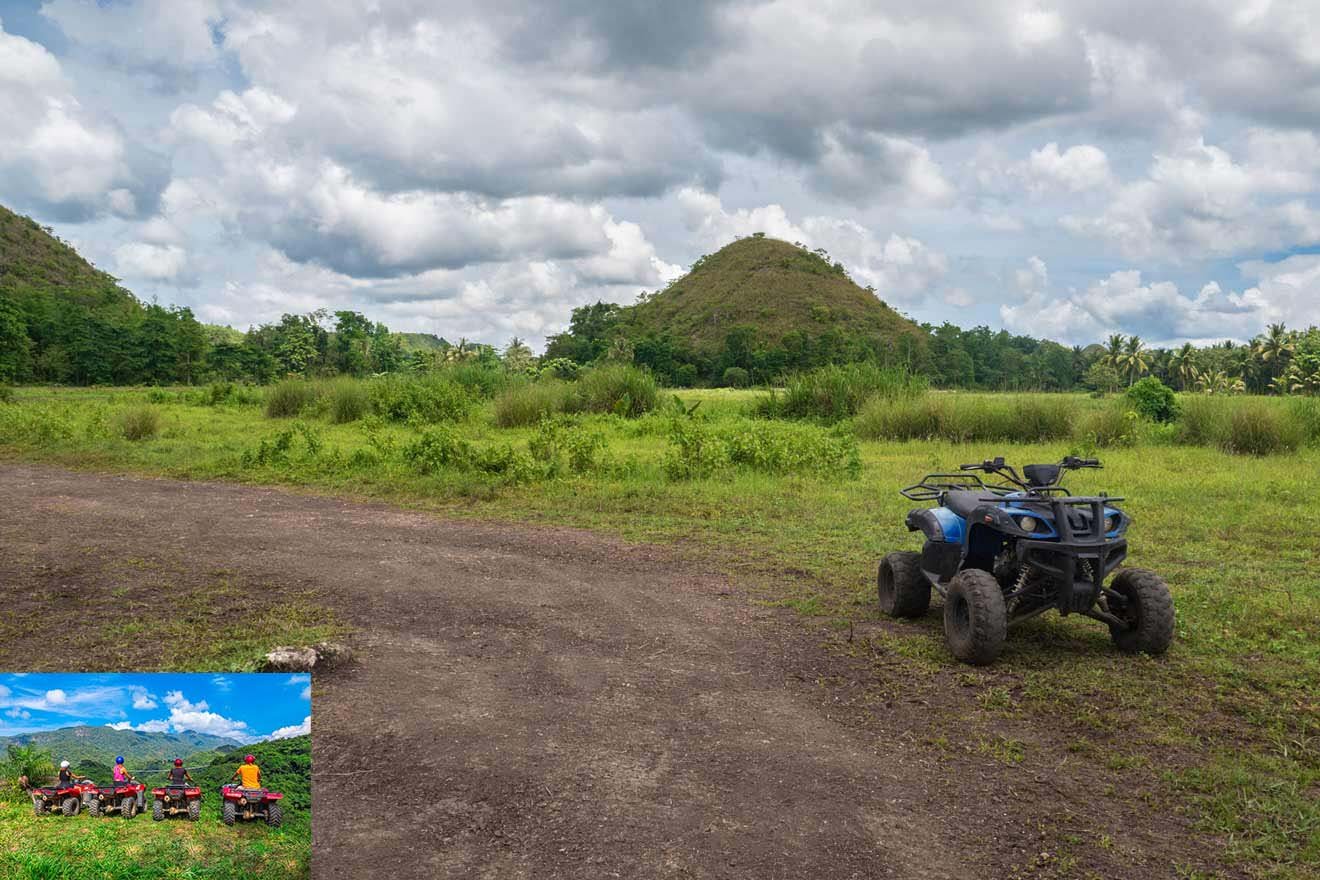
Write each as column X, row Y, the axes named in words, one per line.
column 1005, row 551
column 251, row 803
column 175, row 800
column 66, row 799
column 122, row 797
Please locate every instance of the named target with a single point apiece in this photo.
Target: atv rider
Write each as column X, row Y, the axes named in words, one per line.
column 65, row 778
column 248, row 774
column 122, row 777
column 179, row 774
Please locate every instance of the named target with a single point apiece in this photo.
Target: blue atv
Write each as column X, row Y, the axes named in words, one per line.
column 1004, row 551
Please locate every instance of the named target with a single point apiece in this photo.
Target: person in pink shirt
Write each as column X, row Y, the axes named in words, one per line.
column 122, row 776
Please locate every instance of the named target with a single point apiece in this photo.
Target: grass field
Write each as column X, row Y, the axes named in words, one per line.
column 1225, row 728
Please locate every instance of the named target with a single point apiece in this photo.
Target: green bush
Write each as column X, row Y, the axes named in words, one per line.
column 427, row 399
column 701, row 448
column 138, row 423
column 289, row 398
column 1153, row 399
column 621, row 389
column 686, row 376
column 6, row 394
column 561, row 444
column 736, row 377
column 560, row 368
column 835, row 392
column 218, row 393
column 528, row 404
column 439, row 449
column 961, row 419
column 349, row 401
column 1203, row 420
column 482, row 380
column 1305, row 414
column 1257, row 428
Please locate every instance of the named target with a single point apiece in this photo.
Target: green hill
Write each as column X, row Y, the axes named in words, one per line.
column 773, row 286
column 31, row 256
column 90, row 749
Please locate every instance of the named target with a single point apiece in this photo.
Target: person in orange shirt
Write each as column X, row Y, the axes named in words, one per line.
column 248, row 773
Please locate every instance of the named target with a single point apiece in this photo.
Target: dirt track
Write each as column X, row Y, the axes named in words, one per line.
column 550, row 703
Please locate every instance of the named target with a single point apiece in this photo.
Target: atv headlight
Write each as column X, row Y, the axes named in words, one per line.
column 1111, row 523
column 1027, row 524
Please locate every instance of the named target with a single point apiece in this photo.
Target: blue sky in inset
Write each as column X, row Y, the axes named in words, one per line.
column 242, row 706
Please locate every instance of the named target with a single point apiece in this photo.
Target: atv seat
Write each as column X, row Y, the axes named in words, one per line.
column 963, row 503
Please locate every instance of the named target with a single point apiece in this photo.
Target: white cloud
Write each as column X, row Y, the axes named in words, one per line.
column 158, row 262
column 305, row 693
column 143, row 699
column 198, row 717
column 18, row 713
column 293, row 730
column 142, row 33
column 1077, row 168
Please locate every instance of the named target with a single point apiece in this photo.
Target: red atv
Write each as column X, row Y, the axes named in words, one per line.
column 102, row 800
column 66, row 798
column 172, row 800
column 251, row 803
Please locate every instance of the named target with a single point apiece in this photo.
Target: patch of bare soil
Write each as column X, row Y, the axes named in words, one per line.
column 547, row 703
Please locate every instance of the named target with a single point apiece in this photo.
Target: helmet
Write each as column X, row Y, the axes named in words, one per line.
column 178, row 762
column 64, row 765
column 249, row 759
column 119, row 760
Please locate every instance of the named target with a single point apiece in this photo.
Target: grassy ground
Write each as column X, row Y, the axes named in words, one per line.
column 1225, row 728
column 113, row 848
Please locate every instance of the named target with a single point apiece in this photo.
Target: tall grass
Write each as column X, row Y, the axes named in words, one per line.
column 349, row 401
column 1256, row 428
column 621, row 389
column 427, row 398
column 833, row 393
column 966, row 419
column 530, row 403
column 138, row 423
column 289, row 398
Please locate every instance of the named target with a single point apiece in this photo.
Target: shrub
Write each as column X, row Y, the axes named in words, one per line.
column 918, row 418
column 1256, row 428
column 481, row 380
column 288, row 398
column 278, row 449
column 426, row 399
column 561, row 444
column 621, row 389
column 560, row 368
column 440, row 449
column 1305, row 414
column 139, row 423
column 700, row 448
column 959, row 419
column 349, row 401
column 686, row 376
column 528, row 404
column 736, row 377
column 6, row 394
column 217, row 393
column 1153, row 399
column 836, row 392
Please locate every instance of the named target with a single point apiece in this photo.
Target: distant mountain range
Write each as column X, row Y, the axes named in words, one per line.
column 86, row 745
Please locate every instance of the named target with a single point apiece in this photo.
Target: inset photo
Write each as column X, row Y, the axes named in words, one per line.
column 155, row 775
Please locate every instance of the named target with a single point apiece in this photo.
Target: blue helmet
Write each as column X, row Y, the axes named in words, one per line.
column 119, row 760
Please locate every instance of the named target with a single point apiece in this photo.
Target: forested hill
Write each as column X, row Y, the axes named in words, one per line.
column 85, row 744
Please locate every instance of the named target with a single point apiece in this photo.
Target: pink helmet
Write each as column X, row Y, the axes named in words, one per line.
column 249, row 759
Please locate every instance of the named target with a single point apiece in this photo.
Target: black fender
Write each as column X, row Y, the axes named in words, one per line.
column 939, row 556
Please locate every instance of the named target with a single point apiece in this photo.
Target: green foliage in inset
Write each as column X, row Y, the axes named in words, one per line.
column 1153, row 399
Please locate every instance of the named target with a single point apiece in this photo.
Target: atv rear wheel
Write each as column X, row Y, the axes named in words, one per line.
column 275, row 816
column 902, row 589
column 94, row 806
column 1148, row 612
column 227, row 813
column 128, row 807
column 70, row 806
column 157, row 810
column 38, row 806
column 975, row 621
column 194, row 810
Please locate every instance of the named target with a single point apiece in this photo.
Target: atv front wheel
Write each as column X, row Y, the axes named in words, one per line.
column 70, row 806
column 1147, row 611
column 902, row 588
column 194, row 810
column 128, row 808
column 38, row 806
column 975, row 621
column 157, row 811
column 275, row 816
column 227, row 813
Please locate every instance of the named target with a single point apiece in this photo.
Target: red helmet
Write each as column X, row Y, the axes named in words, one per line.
column 178, row 762
column 249, row 759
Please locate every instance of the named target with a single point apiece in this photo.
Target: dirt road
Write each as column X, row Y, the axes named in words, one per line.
column 532, row 702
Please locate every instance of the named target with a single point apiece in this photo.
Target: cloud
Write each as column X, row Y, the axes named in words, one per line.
column 18, row 713
column 158, row 726
column 143, row 699
column 64, row 160
column 293, row 730
column 198, row 717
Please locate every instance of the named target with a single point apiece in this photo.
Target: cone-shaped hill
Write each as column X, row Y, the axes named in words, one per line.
column 772, row 286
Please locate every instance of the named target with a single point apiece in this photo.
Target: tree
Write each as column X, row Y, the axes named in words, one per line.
column 1182, row 365
column 1134, row 362
column 15, row 347
column 517, row 356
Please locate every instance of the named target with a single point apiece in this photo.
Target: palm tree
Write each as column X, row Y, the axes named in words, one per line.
column 1113, row 356
column 1135, row 359
column 1182, row 364
column 517, row 356
column 1275, row 347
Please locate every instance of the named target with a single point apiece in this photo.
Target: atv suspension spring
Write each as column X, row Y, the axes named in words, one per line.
column 1024, row 573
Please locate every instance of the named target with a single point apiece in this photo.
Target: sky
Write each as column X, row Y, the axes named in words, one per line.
column 478, row 169
column 248, row 707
